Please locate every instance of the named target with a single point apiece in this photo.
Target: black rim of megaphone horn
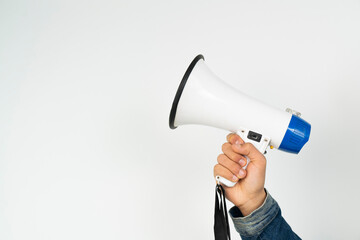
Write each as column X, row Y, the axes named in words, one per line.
column 180, row 90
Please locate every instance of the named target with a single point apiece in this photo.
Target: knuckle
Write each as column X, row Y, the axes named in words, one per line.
column 225, row 146
column 219, row 170
column 220, row 158
column 216, row 168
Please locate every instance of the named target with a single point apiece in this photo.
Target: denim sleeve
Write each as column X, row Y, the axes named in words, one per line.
column 263, row 223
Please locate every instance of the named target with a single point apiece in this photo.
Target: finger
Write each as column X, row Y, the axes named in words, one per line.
column 222, row 171
column 232, row 166
column 233, row 138
column 228, row 151
column 248, row 149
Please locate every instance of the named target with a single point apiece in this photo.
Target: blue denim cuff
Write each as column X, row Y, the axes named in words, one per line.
column 254, row 223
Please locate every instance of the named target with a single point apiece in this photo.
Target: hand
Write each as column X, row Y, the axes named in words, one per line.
column 248, row 194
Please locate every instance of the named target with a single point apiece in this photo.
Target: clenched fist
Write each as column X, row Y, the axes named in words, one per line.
column 248, row 194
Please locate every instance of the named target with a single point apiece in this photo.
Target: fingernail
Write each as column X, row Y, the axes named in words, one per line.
column 237, row 142
column 242, row 172
column 234, row 178
column 242, row 162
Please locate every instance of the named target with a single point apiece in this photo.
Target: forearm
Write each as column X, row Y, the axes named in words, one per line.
column 264, row 222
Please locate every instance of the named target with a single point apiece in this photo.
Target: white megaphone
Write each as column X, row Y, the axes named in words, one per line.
column 203, row 98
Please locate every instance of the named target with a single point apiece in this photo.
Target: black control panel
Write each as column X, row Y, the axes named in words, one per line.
column 254, row 136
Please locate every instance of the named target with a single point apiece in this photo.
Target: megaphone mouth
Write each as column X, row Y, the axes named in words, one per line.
column 180, row 90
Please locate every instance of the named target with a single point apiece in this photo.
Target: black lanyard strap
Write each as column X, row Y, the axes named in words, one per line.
column 221, row 222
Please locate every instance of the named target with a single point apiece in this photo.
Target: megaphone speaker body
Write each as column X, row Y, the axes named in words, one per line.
column 203, row 98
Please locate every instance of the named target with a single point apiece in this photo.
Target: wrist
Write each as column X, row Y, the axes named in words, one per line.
column 253, row 203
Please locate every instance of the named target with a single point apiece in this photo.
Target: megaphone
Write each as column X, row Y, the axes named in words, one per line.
column 203, row 98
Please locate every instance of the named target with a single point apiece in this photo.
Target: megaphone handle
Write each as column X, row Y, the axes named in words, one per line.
column 224, row 181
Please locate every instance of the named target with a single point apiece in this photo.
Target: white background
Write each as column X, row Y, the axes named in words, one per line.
column 85, row 92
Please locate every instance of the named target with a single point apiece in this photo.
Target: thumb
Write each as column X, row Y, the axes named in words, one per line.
column 249, row 150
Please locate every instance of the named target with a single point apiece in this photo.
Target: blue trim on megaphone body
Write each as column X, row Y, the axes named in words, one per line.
column 296, row 135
